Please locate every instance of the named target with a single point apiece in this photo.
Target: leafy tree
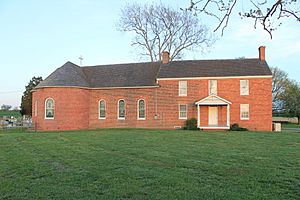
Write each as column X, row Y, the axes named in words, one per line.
column 5, row 107
column 158, row 28
column 26, row 101
column 266, row 13
column 279, row 83
column 291, row 100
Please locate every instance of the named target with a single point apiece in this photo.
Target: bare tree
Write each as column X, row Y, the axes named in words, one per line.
column 158, row 28
column 279, row 83
column 265, row 12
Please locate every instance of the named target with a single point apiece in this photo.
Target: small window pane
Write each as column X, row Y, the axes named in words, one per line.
column 212, row 87
column 102, row 109
column 121, row 109
column 182, row 88
column 244, row 87
column 244, row 111
column 182, row 111
column 50, row 113
column 49, row 108
column 141, row 109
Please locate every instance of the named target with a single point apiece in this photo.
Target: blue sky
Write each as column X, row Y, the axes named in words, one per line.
column 38, row 36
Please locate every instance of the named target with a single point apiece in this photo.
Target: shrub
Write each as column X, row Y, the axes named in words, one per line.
column 236, row 127
column 191, row 124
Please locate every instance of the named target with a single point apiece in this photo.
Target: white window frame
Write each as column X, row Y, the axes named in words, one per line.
column 209, row 87
column 186, row 111
column 99, row 113
column 121, row 118
column 48, row 108
column 35, row 108
column 244, row 107
column 138, row 110
column 182, row 88
column 244, row 91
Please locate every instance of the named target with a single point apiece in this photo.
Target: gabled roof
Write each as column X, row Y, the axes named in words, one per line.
column 214, row 68
column 146, row 74
column 213, row 100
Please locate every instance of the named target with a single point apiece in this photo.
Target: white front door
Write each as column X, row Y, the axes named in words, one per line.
column 213, row 116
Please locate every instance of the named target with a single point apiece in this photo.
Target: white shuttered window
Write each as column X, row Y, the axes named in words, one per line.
column 212, row 87
column 244, row 87
column 182, row 88
column 244, row 111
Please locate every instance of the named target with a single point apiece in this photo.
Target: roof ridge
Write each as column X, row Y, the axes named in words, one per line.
column 158, row 62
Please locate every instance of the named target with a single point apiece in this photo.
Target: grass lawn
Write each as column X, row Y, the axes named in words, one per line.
column 149, row 164
column 290, row 125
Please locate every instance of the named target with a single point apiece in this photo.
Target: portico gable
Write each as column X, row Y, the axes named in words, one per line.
column 213, row 101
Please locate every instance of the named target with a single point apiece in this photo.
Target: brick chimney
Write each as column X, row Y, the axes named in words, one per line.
column 165, row 57
column 262, row 53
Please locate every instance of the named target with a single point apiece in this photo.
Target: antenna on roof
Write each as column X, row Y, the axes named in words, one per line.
column 80, row 58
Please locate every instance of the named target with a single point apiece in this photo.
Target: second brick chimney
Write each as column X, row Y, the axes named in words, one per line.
column 165, row 57
column 262, row 53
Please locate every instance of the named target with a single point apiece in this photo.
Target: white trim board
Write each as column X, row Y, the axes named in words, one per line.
column 218, row 77
column 211, row 127
column 97, row 88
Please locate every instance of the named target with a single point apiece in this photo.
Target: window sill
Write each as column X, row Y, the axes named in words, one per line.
column 182, row 118
column 102, row 118
column 244, row 119
column 141, row 118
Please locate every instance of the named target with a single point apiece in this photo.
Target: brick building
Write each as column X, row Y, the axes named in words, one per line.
column 162, row 95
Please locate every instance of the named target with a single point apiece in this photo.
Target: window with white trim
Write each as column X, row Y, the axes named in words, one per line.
column 244, row 87
column 244, row 111
column 49, row 108
column 141, row 109
column 182, row 111
column 182, row 88
column 121, row 109
column 212, row 87
column 102, row 109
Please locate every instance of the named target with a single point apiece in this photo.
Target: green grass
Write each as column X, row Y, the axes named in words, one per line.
column 149, row 164
column 10, row 113
column 290, row 125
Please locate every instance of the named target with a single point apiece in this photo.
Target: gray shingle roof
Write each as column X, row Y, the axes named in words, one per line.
column 145, row 74
column 122, row 75
column 214, row 68
column 67, row 75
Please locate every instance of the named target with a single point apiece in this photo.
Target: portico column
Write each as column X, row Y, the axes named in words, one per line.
column 228, row 115
column 198, row 121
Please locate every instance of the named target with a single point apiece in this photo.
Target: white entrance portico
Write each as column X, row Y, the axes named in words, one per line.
column 213, row 102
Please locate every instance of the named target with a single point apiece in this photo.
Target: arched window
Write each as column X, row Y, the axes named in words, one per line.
column 49, row 108
column 121, row 109
column 141, row 109
column 102, row 109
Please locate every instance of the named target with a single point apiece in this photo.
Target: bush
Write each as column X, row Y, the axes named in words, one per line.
column 236, row 127
column 191, row 124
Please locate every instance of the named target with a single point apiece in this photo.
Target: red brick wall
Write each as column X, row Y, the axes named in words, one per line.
column 71, row 109
column 78, row 108
column 131, row 97
column 259, row 100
